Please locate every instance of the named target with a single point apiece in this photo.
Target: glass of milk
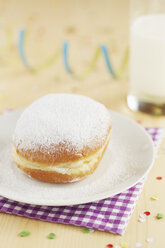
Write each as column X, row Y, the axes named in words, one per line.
column 147, row 56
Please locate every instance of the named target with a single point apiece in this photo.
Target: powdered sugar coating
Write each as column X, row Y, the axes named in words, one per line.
column 75, row 121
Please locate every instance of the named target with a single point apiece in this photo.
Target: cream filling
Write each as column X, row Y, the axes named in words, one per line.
column 81, row 165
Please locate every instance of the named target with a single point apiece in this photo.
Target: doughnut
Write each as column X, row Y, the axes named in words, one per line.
column 61, row 138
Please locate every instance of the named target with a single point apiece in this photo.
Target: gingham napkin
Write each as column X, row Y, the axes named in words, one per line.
column 110, row 215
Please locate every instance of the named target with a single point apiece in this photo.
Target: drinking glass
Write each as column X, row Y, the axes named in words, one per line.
column 147, row 56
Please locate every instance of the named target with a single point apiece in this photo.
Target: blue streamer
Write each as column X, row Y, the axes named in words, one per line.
column 65, row 56
column 107, row 60
column 21, row 47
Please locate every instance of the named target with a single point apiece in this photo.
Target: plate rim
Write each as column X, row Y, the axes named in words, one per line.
column 95, row 197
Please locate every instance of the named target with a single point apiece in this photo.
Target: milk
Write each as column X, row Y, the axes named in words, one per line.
column 147, row 57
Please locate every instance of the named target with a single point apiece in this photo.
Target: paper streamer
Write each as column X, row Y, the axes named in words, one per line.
column 41, row 67
column 124, row 63
column 9, row 36
column 65, row 56
column 65, row 53
column 21, row 48
column 107, row 60
column 48, row 62
column 7, row 46
column 92, row 64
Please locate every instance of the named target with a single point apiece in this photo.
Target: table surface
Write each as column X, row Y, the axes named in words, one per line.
column 85, row 25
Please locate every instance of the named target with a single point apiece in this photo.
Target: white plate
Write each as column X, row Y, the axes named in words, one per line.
column 128, row 158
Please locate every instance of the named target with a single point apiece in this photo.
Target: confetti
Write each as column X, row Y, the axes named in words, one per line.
column 159, row 216
column 117, row 246
column 142, row 218
column 24, row 233
column 124, row 245
column 110, row 246
column 91, row 230
column 147, row 213
column 7, row 110
column 155, row 198
column 138, row 245
column 70, row 30
column 149, row 240
column 86, row 230
column 159, row 178
column 51, row 235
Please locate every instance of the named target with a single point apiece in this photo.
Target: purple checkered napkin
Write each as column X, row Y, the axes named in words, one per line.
column 110, row 215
